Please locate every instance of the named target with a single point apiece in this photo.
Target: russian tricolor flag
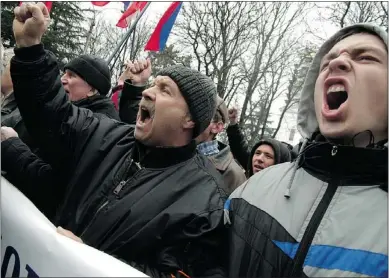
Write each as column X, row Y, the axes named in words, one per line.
column 157, row 41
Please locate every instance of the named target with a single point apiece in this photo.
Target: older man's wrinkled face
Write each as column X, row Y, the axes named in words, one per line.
column 163, row 114
column 351, row 92
column 76, row 87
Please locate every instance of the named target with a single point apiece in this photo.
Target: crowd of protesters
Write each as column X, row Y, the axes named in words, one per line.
column 142, row 176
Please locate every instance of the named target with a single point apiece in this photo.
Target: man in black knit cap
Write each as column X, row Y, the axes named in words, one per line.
column 87, row 81
column 141, row 194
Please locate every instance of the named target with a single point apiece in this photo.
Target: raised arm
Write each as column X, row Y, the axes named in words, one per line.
column 238, row 143
column 41, row 99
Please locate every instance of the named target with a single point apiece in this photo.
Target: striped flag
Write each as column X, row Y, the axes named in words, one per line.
column 130, row 13
column 157, row 41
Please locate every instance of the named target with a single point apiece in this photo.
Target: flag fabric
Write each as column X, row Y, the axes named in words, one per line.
column 157, row 41
column 126, row 4
column 130, row 13
column 48, row 4
column 100, row 3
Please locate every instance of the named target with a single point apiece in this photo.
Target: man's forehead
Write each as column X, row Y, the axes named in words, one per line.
column 164, row 79
column 358, row 41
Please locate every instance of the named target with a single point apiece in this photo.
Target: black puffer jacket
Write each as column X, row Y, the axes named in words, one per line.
column 238, row 144
column 160, row 209
column 24, row 168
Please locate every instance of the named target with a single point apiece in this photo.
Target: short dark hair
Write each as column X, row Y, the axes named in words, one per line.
column 359, row 30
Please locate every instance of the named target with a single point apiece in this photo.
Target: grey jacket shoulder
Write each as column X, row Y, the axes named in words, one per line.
column 233, row 174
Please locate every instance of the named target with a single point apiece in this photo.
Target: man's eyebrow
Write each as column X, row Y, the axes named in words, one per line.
column 354, row 51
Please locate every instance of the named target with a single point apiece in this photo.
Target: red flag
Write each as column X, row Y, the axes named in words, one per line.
column 48, row 4
column 161, row 33
column 131, row 11
column 100, row 3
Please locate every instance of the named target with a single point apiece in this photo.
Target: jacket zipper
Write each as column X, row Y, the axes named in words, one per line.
column 313, row 224
column 120, row 186
column 94, row 217
column 116, row 192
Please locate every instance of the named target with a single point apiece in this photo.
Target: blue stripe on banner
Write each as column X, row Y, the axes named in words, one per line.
column 334, row 257
column 167, row 27
column 227, row 204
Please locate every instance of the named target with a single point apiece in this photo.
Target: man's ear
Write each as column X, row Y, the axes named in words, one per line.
column 188, row 123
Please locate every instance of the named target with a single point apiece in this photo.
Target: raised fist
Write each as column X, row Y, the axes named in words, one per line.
column 233, row 115
column 30, row 23
column 138, row 72
column 7, row 132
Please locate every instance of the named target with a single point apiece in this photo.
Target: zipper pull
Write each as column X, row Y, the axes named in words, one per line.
column 334, row 150
column 119, row 187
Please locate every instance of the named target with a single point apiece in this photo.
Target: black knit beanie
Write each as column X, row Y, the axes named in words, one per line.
column 199, row 92
column 93, row 70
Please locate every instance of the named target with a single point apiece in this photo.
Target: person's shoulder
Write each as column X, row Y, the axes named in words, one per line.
column 268, row 179
column 208, row 173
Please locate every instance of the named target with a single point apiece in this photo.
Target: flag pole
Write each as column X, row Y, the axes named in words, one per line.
column 127, row 35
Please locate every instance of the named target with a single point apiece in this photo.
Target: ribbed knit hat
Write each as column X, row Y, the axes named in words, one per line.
column 199, row 92
column 93, row 70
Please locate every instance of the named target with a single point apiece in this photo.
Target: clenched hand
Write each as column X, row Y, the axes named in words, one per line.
column 138, row 72
column 30, row 23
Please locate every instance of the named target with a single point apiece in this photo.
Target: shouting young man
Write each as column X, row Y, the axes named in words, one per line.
column 325, row 215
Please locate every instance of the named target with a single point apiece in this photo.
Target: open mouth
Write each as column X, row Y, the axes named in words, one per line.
column 258, row 168
column 144, row 114
column 336, row 96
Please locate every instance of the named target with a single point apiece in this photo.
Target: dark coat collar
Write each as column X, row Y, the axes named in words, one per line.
column 359, row 166
column 162, row 157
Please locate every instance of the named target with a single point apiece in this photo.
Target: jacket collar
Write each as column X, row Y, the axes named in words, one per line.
column 162, row 157
column 353, row 165
column 99, row 104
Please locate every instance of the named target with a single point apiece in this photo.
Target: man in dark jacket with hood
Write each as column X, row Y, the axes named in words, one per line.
column 325, row 214
column 87, row 81
column 144, row 194
column 266, row 153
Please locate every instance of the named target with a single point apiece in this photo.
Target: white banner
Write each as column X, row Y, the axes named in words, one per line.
column 31, row 247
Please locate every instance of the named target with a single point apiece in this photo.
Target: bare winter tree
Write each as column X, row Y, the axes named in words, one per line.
column 343, row 14
column 268, row 57
column 218, row 33
column 295, row 83
column 104, row 36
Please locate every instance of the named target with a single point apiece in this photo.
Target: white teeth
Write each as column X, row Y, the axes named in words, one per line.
column 336, row 88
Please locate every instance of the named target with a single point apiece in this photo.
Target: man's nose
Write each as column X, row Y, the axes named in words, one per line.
column 149, row 94
column 341, row 63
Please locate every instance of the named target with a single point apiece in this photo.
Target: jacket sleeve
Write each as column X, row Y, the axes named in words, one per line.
column 28, row 172
column 129, row 102
column 45, row 107
column 238, row 144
